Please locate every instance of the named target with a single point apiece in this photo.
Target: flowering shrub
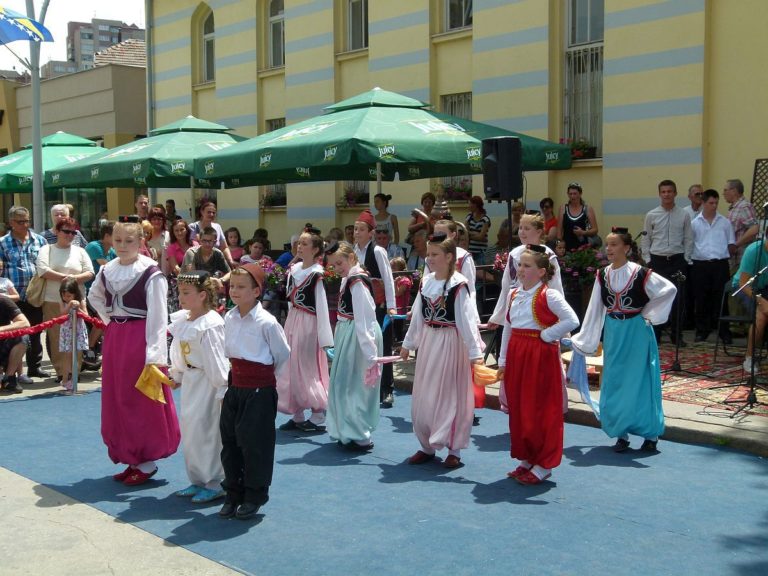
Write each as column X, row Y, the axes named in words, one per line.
column 580, row 147
column 580, row 266
column 331, row 278
column 355, row 194
column 276, row 276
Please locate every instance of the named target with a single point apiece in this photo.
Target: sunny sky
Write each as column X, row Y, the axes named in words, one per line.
column 60, row 12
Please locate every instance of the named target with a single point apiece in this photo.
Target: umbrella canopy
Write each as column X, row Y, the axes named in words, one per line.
column 164, row 159
column 408, row 140
column 58, row 149
column 15, row 26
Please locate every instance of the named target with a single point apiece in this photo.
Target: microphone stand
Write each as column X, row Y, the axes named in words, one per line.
column 679, row 279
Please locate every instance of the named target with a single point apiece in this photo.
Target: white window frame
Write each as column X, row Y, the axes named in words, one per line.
column 276, row 20
column 459, row 105
column 357, row 24
column 583, row 77
column 466, row 14
column 208, row 61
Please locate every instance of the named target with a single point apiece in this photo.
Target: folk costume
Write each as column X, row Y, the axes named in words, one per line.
column 304, row 384
column 258, row 351
column 198, row 363
column 131, row 300
column 353, row 403
column 535, row 321
column 626, row 302
column 444, row 331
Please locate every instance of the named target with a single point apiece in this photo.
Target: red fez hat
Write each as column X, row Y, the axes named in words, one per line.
column 367, row 217
column 256, row 272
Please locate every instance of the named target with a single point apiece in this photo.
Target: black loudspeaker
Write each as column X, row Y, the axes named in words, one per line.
column 503, row 168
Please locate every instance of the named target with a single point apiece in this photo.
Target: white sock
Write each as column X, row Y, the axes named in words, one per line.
column 147, row 467
column 452, row 452
column 540, row 472
column 298, row 416
column 317, row 418
column 525, row 464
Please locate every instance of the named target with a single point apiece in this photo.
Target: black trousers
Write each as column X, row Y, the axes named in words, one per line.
column 387, row 378
column 668, row 266
column 707, row 282
column 35, row 351
column 247, row 427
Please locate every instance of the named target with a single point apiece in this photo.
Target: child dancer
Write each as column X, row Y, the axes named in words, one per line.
column 627, row 299
column 465, row 264
column 256, row 346
column 353, row 402
column 444, row 330
column 530, row 367
column 198, row 363
column 531, row 232
column 403, row 284
column 130, row 295
column 71, row 298
column 376, row 262
column 304, row 384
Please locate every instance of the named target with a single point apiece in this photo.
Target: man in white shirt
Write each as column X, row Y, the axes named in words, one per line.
column 695, row 192
column 713, row 240
column 667, row 246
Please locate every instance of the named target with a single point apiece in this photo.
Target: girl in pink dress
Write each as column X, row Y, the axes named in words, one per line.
column 304, row 385
column 129, row 293
column 444, row 330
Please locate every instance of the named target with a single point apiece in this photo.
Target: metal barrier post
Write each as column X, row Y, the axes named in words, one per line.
column 73, row 322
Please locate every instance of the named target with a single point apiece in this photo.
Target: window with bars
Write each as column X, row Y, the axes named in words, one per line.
column 208, row 53
column 275, row 194
column 276, row 34
column 457, row 188
column 583, row 83
column 357, row 24
column 458, row 14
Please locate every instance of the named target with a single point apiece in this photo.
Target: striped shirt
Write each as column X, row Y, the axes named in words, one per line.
column 20, row 259
column 477, row 247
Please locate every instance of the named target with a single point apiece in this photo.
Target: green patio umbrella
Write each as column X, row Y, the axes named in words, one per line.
column 163, row 159
column 377, row 131
column 59, row 149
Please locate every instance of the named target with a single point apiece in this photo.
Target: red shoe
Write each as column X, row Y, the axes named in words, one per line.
column 122, row 475
column 519, row 471
column 452, row 462
column 530, row 479
column 137, row 477
column 420, row 458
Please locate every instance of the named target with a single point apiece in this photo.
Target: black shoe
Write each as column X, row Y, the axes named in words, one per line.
column 247, row 510
column 38, row 373
column 289, row 425
column 475, row 420
column 309, row 426
column 621, row 445
column 59, row 379
column 91, row 361
column 388, row 401
column 11, row 385
column 355, row 447
column 649, row 446
column 228, row 509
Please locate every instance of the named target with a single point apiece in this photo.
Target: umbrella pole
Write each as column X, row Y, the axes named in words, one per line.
column 378, row 180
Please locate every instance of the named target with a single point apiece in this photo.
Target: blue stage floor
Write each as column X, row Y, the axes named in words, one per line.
column 688, row 510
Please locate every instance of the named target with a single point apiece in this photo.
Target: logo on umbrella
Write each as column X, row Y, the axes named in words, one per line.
column 55, row 178
column 209, row 168
column 25, row 179
column 177, row 167
column 387, row 151
column 140, row 180
column 474, row 153
column 265, row 160
column 303, row 172
column 94, row 173
column 552, row 157
column 414, row 171
column 137, row 168
column 330, row 153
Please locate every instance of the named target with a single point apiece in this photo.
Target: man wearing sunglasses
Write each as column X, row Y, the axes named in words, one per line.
column 18, row 250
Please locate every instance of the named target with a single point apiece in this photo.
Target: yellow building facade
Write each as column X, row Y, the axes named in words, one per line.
column 661, row 89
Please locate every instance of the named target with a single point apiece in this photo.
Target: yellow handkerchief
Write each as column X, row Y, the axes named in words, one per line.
column 483, row 376
column 150, row 383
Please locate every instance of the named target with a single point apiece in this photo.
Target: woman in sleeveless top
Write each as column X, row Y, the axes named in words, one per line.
column 576, row 222
column 384, row 219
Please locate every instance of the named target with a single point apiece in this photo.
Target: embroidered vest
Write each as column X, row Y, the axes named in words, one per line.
column 632, row 298
column 133, row 298
column 374, row 272
column 302, row 295
column 345, row 309
column 441, row 313
column 542, row 315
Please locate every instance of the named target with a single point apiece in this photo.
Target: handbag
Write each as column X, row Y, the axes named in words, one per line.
column 35, row 295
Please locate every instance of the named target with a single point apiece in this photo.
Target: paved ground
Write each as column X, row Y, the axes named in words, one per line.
column 689, row 510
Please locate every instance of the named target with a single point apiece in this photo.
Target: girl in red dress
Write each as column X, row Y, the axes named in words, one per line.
column 531, row 369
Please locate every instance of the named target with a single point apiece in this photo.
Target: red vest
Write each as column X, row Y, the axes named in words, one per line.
column 542, row 315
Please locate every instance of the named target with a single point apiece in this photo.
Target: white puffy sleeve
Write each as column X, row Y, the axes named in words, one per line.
column 567, row 319
column 466, row 324
column 557, row 281
column 588, row 338
column 215, row 362
column 501, row 304
column 96, row 297
column 469, row 271
column 386, row 275
column 662, row 295
column 157, row 320
column 364, row 310
column 413, row 336
column 278, row 344
column 324, row 331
